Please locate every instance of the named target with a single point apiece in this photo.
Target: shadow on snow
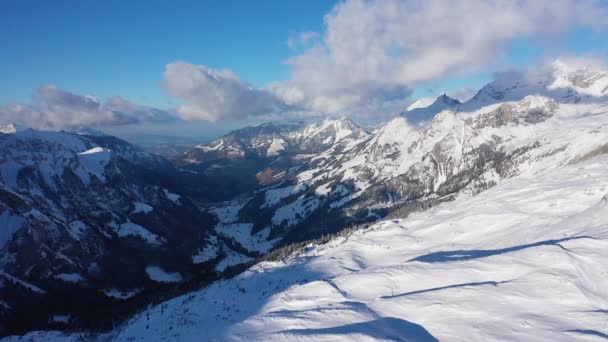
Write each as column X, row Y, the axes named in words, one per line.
column 463, row 255
column 390, row 328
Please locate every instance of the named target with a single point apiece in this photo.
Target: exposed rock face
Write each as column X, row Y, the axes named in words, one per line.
column 87, row 215
column 530, row 110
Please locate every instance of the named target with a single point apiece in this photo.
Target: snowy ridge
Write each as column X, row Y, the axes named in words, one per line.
column 73, row 205
column 418, row 114
column 501, row 203
column 521, row 124
column 274, row 139
column 488, row 267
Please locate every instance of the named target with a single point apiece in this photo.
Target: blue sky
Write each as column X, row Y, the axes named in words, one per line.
column 108, row 48
column 122, row 48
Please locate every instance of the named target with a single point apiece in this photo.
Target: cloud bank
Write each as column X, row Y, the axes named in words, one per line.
column 364, row 63
column 210, row 94
column 373, row 52
column 54, row 108
column 376, row 50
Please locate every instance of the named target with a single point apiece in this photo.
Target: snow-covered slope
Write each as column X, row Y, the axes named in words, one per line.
column 525, row 260
column 563, row 82
column 272, row 139
column 299, row 182
column 86, row 215
column 418, row 114
column 404, row 167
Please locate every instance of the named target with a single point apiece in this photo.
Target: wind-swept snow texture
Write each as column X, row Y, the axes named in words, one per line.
column 525, row 260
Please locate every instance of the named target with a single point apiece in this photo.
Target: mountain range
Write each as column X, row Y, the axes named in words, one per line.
column 89, row 220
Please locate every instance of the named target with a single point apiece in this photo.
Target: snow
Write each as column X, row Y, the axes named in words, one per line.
column 421, row 103
column 306, row 175
column 141, row 208
column 130, row 229
column 50, row 336
column 232, row 258
column 228, row 212
column 208, row 251
column 172, row 197
column 120, row 294
column 208, row 148
column 69, row 277
column 274, row 196
column 342, row 130
column 422, row 114
column 161, row 276
column 9, row 225
column 295, row 212
column 66, row 140
column 323, row 189
column 93, row 162
column 276, row 146
column 524, row 260
column 8, row 128
column 77, row 229
column 241, row 233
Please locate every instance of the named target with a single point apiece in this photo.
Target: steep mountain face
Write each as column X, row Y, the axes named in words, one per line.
column 87, row 221
column 248, row 158
column 403, row 167
column 273, row 139
column 419, row 115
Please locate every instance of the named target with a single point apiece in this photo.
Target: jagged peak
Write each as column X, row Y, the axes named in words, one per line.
column 421, row 103
column 422, row 115
column 446, row 100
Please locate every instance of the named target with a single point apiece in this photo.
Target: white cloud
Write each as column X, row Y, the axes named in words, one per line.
column 209, row 94
column 463, row 94
column 375, row 51
column 371, row 53
column 54, row 108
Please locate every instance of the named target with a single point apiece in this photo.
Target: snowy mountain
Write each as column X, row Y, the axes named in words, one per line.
column 93, row 217
column 562, row 82
column 418, row 114
column 485, row 203
column 402, row 168
column 524, row 260
column 251, row 157
column 272, row 139
column 8, row 128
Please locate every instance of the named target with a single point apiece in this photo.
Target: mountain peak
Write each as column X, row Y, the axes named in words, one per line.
column 8, row 128
column 420, row 115
column 446, row 100
column 421, row 103
column 565, row 82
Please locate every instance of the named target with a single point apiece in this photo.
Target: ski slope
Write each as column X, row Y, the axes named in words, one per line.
column 524, row 260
